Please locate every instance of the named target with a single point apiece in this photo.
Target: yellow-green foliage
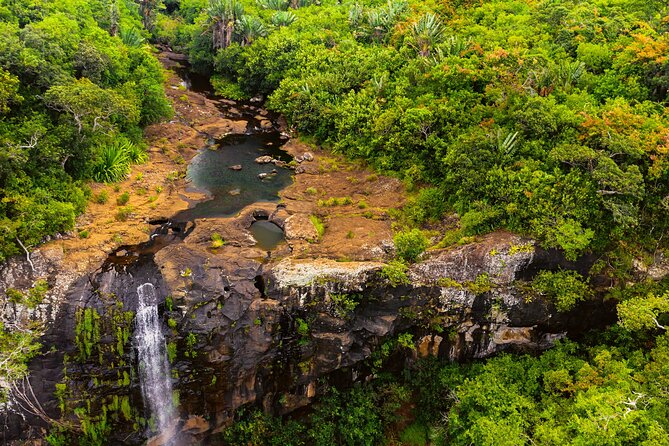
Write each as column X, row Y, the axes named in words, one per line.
column 335, row 201
column 564, row 288
column 318, row 224
column 216, row 240
column 87, row 331
column 482, row 284
column 410, row 244
column 395, row 272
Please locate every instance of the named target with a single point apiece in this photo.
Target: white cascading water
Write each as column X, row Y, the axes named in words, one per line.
column 154, row 369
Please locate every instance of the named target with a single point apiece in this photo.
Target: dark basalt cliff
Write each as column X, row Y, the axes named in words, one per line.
column 248, row 329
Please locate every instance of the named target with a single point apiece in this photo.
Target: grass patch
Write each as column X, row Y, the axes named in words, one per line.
column 123, row 199
column 335, row 201
column 414, row 435
column 318, row 224
column 123, row 213
column 102, row 197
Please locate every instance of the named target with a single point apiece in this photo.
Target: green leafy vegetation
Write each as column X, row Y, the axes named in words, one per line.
column 410, row 244
column 216, row 240
column 74, row 95
column 564, row 288
column 525, row 122
column 546, row 118
column 123, row 199
column 395, row 272
column 318, row 225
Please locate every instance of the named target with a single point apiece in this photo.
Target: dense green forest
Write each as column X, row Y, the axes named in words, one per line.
column 543, row 117
column 78, row 83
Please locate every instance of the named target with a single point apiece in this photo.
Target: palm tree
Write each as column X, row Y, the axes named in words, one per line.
column 248, row 28
column 283, row 18
column 113, row 18
column 223, row 15
column 147, row 9
column 426, row 33
column 277, row 5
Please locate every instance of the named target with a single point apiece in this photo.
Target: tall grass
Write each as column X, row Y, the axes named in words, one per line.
column 115, row 159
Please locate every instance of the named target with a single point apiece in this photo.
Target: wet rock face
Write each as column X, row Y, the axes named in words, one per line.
column 252, row 331
column 269, row 332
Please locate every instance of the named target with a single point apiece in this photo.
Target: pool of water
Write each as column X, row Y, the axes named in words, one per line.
column 231, row 190
column 267, row 234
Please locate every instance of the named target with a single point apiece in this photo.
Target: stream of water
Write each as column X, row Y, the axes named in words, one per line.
column 154, row 370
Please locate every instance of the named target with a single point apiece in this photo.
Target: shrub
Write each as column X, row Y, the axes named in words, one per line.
column 343, row 303
column 318, row 224
column 123, row 213
column 123, row 199
column 113, row 165
column 135, row 154
column 228, row 89
column 395, row 272
column 410, row 244
column 428, row 205
column 302, row 327
column 564, row 288
column 102, row 197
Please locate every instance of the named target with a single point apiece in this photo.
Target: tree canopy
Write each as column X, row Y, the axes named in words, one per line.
column 69, row 85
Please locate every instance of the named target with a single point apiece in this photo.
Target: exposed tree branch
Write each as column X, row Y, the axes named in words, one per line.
column 32, row 266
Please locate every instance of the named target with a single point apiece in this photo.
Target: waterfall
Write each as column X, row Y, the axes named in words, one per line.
column 154, row 369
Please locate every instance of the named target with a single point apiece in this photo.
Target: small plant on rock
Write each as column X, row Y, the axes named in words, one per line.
column 216, row 240
column 395, row 272
column 410, row 244
column 123, row 199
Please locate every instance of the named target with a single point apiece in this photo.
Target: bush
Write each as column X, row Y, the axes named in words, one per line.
column 263, row 430
column 564, row 288
column 123, row 199
column 410, row 244
column 102, row 197
column 113, row 165
column 318, row 224
column 395, row 272
column 135, row 153
column 350, row 419
column 428, row 205
column 228, row 89
column 123, row 213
